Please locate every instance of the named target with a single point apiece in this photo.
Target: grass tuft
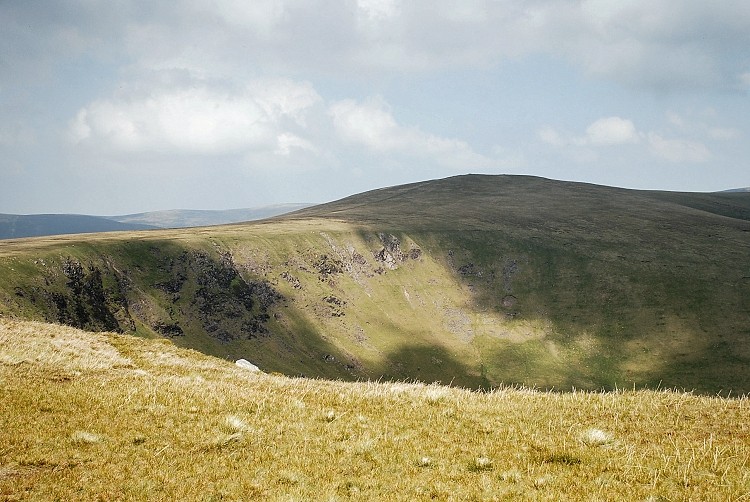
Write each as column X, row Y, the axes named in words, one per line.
column 424, row 462
column 595, row 437
column 222, row 440
column 511, row 476
column 84, row 438
column 235, row 424
column 561, row 458
column 542, row 481
column 481, row 464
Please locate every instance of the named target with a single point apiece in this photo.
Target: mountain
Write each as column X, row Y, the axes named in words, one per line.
column 492, row 202
column 473, row 280
column 182, row 218
column 14, row 226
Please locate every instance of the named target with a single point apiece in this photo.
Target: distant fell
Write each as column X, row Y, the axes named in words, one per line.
column 183, row 218
column 14, row 226
column 485, row 201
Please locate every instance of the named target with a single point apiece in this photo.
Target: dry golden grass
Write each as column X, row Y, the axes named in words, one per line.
column 108, row 417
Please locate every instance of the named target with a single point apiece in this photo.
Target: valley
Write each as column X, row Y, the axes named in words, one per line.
column 473, row 281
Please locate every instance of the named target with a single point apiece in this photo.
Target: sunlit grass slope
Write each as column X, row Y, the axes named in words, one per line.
column 478, row 281
column 111, row 417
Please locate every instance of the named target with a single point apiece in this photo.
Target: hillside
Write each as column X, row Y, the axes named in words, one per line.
column 473, row 280
column 110, row 417
column 16, row 226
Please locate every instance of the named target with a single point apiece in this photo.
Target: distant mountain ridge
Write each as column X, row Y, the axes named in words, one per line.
column 16, row 226
column 183, row 218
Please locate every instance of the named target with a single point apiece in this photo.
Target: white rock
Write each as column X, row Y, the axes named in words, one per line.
column 244, row 363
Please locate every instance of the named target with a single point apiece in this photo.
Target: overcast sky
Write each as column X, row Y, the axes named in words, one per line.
column 115, row 106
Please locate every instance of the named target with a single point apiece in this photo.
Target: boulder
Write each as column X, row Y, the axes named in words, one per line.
column 244, row 363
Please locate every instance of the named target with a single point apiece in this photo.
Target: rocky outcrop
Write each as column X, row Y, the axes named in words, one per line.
column 391, row 254
column 75, row 294
column 212, row 295
column 172, row 292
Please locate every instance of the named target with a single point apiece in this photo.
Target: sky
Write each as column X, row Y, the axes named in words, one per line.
column 114, row 107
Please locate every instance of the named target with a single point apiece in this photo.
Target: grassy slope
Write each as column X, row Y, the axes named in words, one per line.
column 517, row 280
column 626, row 283
column 109, row 417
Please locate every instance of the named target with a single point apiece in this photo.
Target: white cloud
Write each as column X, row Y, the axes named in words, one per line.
column 371, row 124
column 284, row 98
column 661, row 44
column 607, row 131
column 185, row 120
column 199, row 119
column 611, row 131
column 473, row 12
column 678, row 150
column 665, row 44
column 265, row 118
column 288, row 142
column 262, row 16
column 701, row 127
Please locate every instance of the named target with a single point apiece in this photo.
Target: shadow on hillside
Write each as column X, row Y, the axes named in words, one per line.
column 428, row 364
column 610, row 316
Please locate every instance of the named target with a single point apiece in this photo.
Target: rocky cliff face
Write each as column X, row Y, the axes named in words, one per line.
column 169, row 294
column 230, row 300
column 69, row 292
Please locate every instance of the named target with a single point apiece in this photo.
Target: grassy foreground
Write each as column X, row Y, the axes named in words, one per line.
column 111, row 417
